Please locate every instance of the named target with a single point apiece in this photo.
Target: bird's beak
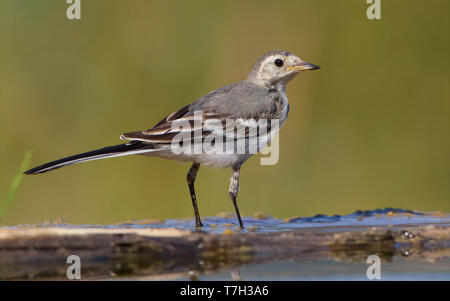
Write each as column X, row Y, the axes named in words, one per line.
column 303, row 66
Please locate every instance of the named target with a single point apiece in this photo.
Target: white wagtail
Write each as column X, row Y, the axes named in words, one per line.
column 261, row 96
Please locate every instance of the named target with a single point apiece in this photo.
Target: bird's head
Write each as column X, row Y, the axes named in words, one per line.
column 277, row 67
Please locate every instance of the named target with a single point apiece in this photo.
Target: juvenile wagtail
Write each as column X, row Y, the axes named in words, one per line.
column 261, row 96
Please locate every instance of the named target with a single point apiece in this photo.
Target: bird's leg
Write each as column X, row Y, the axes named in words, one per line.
column 234, row 189
column 192, row 174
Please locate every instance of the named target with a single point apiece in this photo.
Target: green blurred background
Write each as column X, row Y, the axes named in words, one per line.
column 368, row 130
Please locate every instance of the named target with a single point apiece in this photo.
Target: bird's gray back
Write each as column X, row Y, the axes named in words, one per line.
column 242, row 100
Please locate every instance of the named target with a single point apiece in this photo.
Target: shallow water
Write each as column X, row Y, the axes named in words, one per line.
column 427, row 264
column 358, row 220
column 328, row 270
column 397, row 268
column 261, row 223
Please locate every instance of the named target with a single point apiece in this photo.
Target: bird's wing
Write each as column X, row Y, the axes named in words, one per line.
column 241, row 103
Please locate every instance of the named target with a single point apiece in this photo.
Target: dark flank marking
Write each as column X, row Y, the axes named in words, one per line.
column 275, row 105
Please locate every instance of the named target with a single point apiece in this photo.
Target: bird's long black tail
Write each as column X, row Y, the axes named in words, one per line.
column 134, row 147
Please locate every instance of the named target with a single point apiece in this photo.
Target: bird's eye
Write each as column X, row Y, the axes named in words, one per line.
column 278, row 62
